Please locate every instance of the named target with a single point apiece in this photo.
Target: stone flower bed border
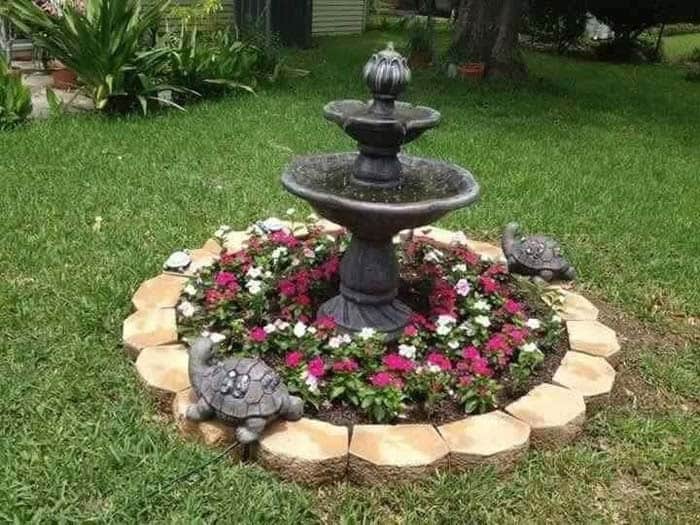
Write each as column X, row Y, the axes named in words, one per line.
column 314, row 452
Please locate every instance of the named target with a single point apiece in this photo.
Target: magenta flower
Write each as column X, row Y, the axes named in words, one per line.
column 317, row 367
column 258, row 335
column 398, row 363
column 286, row 287
column 325, row 322
column 470, row 353
column 384, row 380
column 226, row 280
column 497, row 343
column 410, row 330
column 488, row 285
column 512, row 307
column 439, row 360
column 346, row 365
column 481, row 367
column 293, row 359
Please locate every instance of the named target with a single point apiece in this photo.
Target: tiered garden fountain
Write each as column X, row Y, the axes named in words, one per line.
column 377, row 192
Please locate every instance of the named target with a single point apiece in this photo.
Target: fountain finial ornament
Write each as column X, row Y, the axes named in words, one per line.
column 387, row 74
column 376, row 193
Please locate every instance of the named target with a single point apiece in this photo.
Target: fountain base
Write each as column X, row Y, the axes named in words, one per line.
column 388, row 318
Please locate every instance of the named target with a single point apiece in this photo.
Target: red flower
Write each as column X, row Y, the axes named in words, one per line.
column 442, row 298
column 325, row 322
column 226, row 280
column 317, row 367
column 331, row 267
column 257, row 335
column 517, row 336
column 286, row 287
column 488, row 285
column 481, row 368
column 345, row 365
column 293, row 359
column 439, row 360
column 302, row 300
column 497, row 343
column 470, row 353
column 398, row 363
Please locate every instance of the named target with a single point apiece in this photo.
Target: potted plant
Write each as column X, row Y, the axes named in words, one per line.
column 475, row 70
column 421, row 42
column 62, row 76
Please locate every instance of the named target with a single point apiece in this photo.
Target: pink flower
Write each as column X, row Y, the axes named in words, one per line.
column 226, row 280
column 470, row 353
column 481, row 368
column 293, row 359
column 345, row 365
column 512, row 307
column 317, row 367
column 398, row 363
column 465, row 380
column 516, row 335
column 439, row 360
column 258, row 335
column 284, row 238
column 463, row 287
column 385, row 379
column 410, row 330
column 302, row 300
column 497, row 343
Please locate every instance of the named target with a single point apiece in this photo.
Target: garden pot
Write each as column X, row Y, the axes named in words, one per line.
column 64, row 78
column 474, row 70
column 420, row 60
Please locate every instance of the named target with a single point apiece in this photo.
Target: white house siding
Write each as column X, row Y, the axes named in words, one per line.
column 336, row 17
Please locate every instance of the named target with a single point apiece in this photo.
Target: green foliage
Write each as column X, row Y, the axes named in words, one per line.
column 526, row 364
column 420, row 34
column 197, row 14
column 382, row 404
column 559, row 22
column 694, row 55
column 103, row 46
column 15, row 98
column 629, row 50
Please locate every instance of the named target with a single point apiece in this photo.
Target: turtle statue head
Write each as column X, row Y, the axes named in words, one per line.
column 201, row 351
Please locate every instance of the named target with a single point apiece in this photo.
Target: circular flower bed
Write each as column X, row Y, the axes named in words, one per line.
column 476, row 328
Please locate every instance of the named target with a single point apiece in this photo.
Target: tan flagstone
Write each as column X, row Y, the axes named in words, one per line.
column 146, row 328
column 494, row 438
column 164, row 368
column 591, row 376
column 306, row 451
column 593, row 337
column 555, row 414
column 162, row 291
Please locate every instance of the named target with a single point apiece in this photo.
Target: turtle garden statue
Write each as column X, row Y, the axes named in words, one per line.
column 535, row 256
column 243, row 391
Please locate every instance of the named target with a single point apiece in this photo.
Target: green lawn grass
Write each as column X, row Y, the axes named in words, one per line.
column 604, row 157
column 679, row 47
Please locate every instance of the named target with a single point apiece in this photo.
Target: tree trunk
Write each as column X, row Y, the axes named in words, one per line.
column 487, row 31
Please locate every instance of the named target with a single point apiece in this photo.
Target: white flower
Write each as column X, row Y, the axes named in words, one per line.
column 281, row 325
column 433, row 256
column 556, row 319
column 311, row 382
column 299, row 329
column 290, row 211
column 269, row 328
column 223, row 230
column 347, row 338
column 407, row 351
column 443, row 329
column 463, row 287
column 267, row 274
column 254, row 272
column 445, row 319
column 533, row 324
column 366, row 333
column 278, row 252
column 254, row 286
column 187, row 309
column 459, row 268
column 295, row 262
column 454, row 345
column 481, row 305
column 216, row 337
column 434, row 368
column 190, row 290
column 467, row 328
column 529, row 347
column 482, row 320
column 335, row 342
column 309, row 253
column 311, row 329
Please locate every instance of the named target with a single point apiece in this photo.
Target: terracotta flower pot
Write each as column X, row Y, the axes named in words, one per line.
column 64, row 78
column 472, row 70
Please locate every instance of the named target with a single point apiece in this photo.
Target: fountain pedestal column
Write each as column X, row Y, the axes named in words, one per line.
column 369, row 279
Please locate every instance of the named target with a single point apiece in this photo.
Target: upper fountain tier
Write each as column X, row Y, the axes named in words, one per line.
column 382, row 125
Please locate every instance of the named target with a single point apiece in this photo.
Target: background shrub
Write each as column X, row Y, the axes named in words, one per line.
column 15, row 98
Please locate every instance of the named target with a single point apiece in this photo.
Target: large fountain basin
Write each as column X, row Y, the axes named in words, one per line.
column 428, row 190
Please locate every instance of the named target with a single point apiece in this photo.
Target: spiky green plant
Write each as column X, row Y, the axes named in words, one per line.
column 103, row 44
column 15, row 98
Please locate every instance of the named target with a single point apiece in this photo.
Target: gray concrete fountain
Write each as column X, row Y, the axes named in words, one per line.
column 377, row 192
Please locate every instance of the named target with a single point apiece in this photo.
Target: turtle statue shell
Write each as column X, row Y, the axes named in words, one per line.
column 242, row 388
column 536, row 256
